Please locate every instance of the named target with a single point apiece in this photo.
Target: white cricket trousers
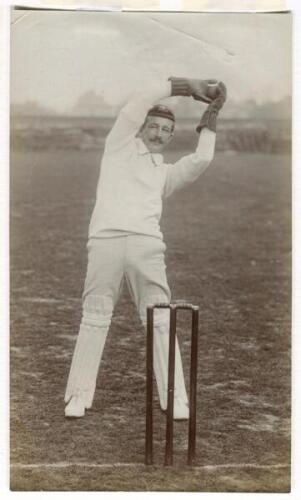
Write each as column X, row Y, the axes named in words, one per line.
column 138, row 260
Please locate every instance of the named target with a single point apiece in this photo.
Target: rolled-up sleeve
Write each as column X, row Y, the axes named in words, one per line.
column 190, row 167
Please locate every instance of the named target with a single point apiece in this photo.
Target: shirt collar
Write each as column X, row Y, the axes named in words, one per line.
column 142, row 150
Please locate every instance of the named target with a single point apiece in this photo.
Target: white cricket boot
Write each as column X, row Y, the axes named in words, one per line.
column 75, row 408
column 180, row 410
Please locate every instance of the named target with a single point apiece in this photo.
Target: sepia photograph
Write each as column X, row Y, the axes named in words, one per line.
column 150, row 251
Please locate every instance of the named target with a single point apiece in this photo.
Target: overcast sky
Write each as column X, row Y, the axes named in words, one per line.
column 57, row 56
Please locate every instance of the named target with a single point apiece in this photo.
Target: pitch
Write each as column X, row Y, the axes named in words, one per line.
column 229, row 251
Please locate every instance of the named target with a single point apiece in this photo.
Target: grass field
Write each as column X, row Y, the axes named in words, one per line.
column 229, row 250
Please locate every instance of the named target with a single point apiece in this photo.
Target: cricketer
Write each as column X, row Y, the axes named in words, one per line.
column 125, row 242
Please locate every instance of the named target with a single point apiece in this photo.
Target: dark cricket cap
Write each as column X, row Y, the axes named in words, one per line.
column 163, row 111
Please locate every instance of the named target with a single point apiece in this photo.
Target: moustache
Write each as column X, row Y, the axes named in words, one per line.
column 156, row 141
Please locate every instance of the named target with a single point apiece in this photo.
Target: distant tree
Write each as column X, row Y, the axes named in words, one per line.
column 274, row 110
column 91, row 104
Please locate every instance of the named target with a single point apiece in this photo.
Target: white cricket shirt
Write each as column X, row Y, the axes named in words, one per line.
column 133, row 181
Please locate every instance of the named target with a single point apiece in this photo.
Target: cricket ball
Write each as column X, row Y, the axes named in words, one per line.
column 212, row 90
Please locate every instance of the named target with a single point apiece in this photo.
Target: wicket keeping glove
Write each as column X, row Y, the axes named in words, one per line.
column 209, row 118
column 200, row 90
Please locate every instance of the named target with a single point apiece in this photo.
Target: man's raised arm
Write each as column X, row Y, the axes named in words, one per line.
column 189, row 167
column 132, row 115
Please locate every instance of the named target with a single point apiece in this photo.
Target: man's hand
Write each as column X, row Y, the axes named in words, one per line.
column 204, row 90
column 200, row 90
column 209, row 118
column 220, row 96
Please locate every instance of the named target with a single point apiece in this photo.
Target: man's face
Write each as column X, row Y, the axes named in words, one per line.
column 156, row 133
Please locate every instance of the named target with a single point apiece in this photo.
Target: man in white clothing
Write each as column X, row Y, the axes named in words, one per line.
column 125, row 240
